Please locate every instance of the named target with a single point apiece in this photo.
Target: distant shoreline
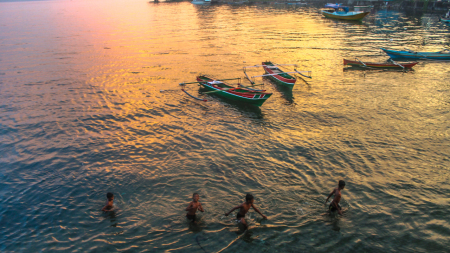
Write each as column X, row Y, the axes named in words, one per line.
column 417, row 5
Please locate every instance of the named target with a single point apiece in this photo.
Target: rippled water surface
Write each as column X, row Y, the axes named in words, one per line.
column 90, row 103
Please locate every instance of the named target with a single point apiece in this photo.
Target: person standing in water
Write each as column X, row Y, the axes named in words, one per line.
column 110, row 203
column 243, row 209
column 337, row 198
column 193, row 206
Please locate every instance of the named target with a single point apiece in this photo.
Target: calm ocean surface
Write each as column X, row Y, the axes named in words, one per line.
column 90, row 103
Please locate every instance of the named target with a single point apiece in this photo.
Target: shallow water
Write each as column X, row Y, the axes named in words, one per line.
column 90, row 103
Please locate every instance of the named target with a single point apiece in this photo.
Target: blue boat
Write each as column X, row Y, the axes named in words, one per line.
column 442, row 55
column 342, row 12
column 445, row 20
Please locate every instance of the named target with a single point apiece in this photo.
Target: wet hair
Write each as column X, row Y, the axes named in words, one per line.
column 341, row 183
column 193, row 195
column 249, row 197
column 109, row 195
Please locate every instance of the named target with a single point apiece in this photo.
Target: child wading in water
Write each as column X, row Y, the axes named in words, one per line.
column 193, row 206
column 110, row 203
column 243, row 209
column 337, row 198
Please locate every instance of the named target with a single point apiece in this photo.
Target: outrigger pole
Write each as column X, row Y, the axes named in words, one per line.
column 299, row 72
column 201, row 99
column 207, row 81
column 254, row 90
column 229, row 89
column 257, row 66
column 245, row 73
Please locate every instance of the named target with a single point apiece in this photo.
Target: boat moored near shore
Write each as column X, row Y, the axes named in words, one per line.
column 342, row 12
column 409, row 54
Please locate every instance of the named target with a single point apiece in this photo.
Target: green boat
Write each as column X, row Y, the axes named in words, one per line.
column 278, row 76
column 239, row 94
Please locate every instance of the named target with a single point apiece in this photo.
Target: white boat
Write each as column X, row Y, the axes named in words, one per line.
column 201, row 2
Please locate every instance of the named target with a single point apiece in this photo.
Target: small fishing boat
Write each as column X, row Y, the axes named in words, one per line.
column 292, row 2
column 390, row 64
column 277, row 75
column 342, row 12
column 201, row 2
column 446, row 20
column 239, row 94
column 274, row 73
column 409, row 54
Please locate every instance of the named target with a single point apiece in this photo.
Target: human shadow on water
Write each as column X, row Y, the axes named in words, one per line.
column 333, row 218
column 197, row 226
column 112, row 217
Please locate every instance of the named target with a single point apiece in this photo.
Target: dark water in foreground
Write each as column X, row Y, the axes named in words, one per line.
column 90, row 103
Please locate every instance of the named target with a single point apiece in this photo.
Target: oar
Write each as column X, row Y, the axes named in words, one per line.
column 208, row 81
column 398, row 64
column 361, row 62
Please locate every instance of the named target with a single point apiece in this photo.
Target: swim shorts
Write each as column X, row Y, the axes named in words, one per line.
column 332, row 208
column 190, row 217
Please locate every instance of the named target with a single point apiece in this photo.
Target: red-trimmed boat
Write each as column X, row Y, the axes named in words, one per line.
column 277, row 75
column 274, row 73
column 383, row 65
column 239, row 94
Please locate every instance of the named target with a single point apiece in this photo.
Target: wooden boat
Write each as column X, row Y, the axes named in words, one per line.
column 201, row 2
column 296, row 2
column 446, row 20
column 384, row 65
column 342, row 12
column 277, row 75
column 274, row 73
column 394, row 54
column 240, row 94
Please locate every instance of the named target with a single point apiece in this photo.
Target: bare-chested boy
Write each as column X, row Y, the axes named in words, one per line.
column 243, row 209
column 337, row 198
column 193, row 206
column 110, row 203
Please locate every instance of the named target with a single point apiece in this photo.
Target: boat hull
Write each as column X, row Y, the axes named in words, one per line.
column 283, row 79
column 416, row 55
column 446, row 20
column 384, row 65
column 354, row 15
column 239, row 94
column 200, row 2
